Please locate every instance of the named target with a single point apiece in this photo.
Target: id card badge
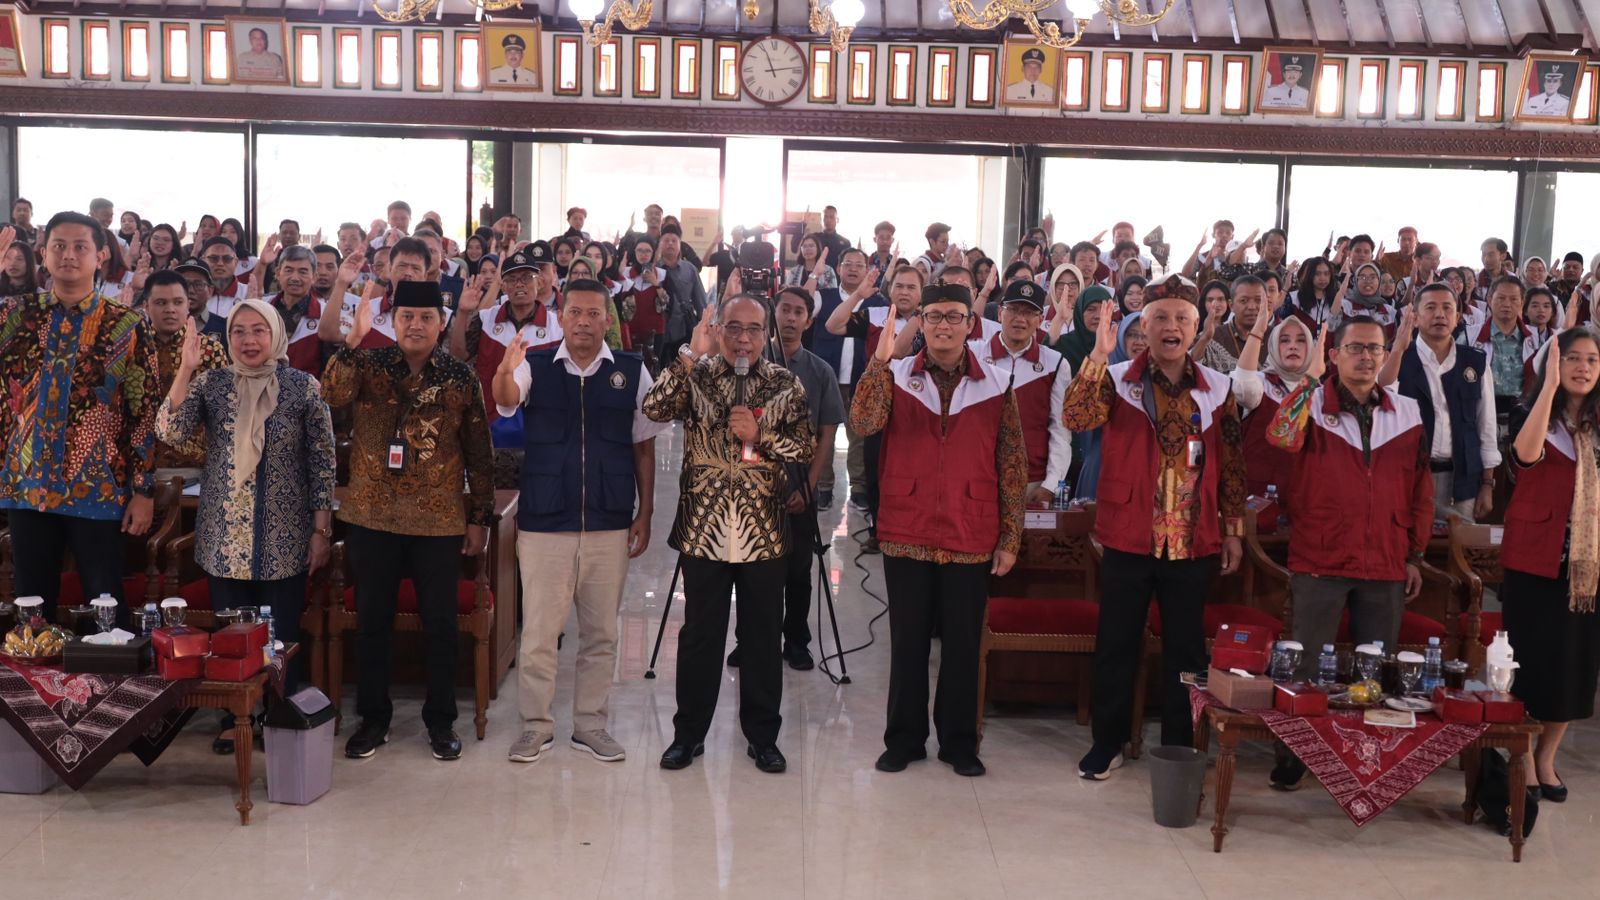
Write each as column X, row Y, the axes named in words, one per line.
column 1197, row 451
column 396, row 461
column 748, row 453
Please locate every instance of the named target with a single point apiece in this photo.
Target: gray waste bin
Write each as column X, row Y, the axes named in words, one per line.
column 299, row 737
column 1176, row 776
column 22, row 770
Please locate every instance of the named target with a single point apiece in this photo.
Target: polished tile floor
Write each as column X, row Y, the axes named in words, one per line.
column 402, row 825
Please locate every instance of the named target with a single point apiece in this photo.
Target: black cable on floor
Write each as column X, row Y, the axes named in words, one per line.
column 872, row 636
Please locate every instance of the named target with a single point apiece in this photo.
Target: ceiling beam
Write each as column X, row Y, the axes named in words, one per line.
column 1272, row 20
column 1383, row 13
column 1466, row 29
column 703, row 5
column 1584, row 19
column 1427, row 36
column 1549, row 23
column 1500, row 16
column 774, row 16
column 1233, row 20
column 1154, row 34
column 1344, row 13
column 1194, row 29
column 1312, row 22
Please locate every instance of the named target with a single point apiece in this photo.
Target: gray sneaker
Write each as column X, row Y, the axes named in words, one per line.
column 531, row 746
column 600, row 744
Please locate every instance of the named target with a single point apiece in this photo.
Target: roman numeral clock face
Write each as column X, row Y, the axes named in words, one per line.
column 773, row 70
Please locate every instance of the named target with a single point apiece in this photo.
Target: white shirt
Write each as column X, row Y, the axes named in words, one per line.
column 643, row 428
column 1059, row 459
column 1488, row 433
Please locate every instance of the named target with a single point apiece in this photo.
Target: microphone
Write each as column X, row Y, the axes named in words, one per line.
column 741, row 370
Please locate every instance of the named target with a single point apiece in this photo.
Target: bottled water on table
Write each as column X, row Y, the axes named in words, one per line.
column 1432, row 666
column 1327, row 666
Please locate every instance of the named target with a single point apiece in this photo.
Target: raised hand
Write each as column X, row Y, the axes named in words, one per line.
column 1408, row 325
column 472, row 295
column 350, row 269
column 952, row 256
column 1105, row 333
column 269, row 251
column 734, row 287
column 1319, row 354
column 8, row 235
column 1202, row 245
column 376, row 228
column 1552, row 371
column 1099, row 237
column 992, row 279
column 516, row 354
column 316, row 238
column 183, row 230
column 189, row 356
column 140, row 274
column 866, row 287
column 822, row 264
column 706, row 332
column 392, row 237
column 885, row 348
column 363, row 320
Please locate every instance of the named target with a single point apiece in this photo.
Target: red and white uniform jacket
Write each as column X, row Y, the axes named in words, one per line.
column 1039, row 378
column 937, row 480
column 1259, row 395
column 1359, row 515
column 1541, row 505
column 382, row 332
column 305, row 348
column 542, row 331
column 1130, row 460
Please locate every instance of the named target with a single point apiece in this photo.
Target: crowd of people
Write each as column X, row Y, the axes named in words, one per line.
column 1370, row 393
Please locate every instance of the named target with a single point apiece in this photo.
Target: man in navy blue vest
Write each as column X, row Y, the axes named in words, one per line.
column 1454, row 390
column 847, row 356
column 588, row 453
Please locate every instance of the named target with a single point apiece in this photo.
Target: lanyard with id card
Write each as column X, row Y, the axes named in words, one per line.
column 399, row 454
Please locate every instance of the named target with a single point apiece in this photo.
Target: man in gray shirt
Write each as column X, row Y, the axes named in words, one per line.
column 794, row 312
column 687, row 296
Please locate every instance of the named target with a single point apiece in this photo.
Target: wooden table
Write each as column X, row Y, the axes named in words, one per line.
column 1233, row 726
column 240, row 699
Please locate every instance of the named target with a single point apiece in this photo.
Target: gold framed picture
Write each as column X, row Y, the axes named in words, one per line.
column 1031, row 74
column 11, row 62
column 1288, row 81
column 1549, row 84
column 511, row 56
column 256, row 50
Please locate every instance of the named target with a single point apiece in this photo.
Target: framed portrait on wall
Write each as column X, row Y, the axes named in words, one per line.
column 511, row 56
column 11, row 64
column 1288, row 80
column 256, row 50
column 1032, row 72
column 1548, row 86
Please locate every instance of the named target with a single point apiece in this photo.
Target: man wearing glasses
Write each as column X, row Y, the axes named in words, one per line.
column 731, row 528
column 1039, row 377
column 1363, row 504
column 222, row 259
column 949, row 516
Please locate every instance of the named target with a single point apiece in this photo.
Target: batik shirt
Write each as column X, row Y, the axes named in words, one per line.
column 190, row 454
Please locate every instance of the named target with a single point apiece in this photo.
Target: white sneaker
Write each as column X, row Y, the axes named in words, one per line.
column 600, row 744
column 531, row 746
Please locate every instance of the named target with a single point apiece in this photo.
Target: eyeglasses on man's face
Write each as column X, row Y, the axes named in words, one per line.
column 938, row 318
column 1362, row 349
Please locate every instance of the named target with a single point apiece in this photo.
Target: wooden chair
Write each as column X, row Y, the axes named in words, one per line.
column 1475, row 562
column 475, row 615
column 1048, row 603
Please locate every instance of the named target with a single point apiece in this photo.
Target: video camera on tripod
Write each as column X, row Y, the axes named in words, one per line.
column 757, row 276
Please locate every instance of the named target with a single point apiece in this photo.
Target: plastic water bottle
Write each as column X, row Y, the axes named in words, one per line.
column 1327, row 666
column 272, row 633
column 1432, row 666
column 1272, row 493
column 1063, row 494
column 152, row 618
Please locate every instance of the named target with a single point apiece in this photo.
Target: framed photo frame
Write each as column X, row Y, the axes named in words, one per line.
column 1030, row 75
column 12, row 64
column 1288, row 84
column 510, row 51
column 257, row 50
column 1549, row 89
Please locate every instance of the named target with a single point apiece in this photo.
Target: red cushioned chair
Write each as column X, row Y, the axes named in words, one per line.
column 1475, row 562
column 474, row 612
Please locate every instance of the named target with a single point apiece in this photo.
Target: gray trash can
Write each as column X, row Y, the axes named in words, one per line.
column 1176, row 776
column 22, row 770
column 299, row 737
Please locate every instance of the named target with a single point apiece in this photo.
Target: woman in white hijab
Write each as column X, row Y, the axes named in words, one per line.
column 1258, row 393
column 266, row 492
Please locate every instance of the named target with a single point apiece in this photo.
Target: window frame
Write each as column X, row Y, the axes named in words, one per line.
column 814, row 52
column 557, row 66
column 717, row 93
column 417, row 37
column 1246, row 85
column 168, row 29
column 84, row 27
column 871, row 55
column 897, row 52
column 1420, row 66
column 48, row 44
column 695, row 47
column 339, row 82
column 953, row 58
column 1085, row 59
column 1499, row 114
column 1126, row 59
column 639, row 43
column 1460, row 68
column 973, row 55
column 1204, row 109
column 208, row 31
column 1341, row 68
column 295, row 33
column 1591, row 115
column 462, row 37
column 1165, row 60
column 378, row 37
column 1382, row 66
column 128, row 28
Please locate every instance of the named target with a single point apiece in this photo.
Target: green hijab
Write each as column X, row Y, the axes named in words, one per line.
column 1076, row 344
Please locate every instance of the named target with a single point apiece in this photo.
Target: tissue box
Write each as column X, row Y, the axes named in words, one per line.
column 228, row 668
column 1245, row 647
column 240, row 640
column 132, row 658
column 1502, row 709
column 1300, row 698
column 1238, row 692
column 179, row 669
column 181, row 642
column 1457, row 706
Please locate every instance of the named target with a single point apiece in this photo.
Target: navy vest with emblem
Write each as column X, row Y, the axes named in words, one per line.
column 1461, row 396
column 577, row 468
column 831, row 346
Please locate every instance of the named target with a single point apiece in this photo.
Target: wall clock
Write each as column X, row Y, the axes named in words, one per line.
column 773, row 70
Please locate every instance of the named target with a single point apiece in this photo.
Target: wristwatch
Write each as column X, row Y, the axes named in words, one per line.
column 688, row 354
column 324, row 532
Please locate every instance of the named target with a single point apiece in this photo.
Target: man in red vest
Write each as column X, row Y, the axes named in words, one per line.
column 1170, row 512
column 1039, row 377
column 1363, row 506
column 950, row 508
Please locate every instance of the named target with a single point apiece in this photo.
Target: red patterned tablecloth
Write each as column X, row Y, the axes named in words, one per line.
column 1366, row 768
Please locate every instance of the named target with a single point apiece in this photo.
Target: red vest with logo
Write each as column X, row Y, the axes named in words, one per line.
column 541, row 332
column 1265, row 464
column 1355, row 518
column 381, row 334
column 1130, row 459
column 1039, row 379
column 1541, row 505
column 937, row 481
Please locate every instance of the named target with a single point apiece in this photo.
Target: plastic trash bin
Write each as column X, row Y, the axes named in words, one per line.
column 1176, row 776
column 22, row 771
column 299, row 738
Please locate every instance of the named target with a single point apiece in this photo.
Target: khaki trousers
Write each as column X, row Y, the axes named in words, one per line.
column 561, row 570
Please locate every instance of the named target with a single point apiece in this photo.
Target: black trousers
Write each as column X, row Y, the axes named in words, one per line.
column 708, row 586
column 802, row 561
column 1127, row 582
column 380, row 560
column 286, row 596
column 953, row 596
column 871, row 451
column 39, row 541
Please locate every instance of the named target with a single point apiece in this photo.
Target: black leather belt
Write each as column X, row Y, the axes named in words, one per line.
column 1448, row 465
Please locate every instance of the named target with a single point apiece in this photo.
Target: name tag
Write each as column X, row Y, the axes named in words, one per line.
column 396, row 461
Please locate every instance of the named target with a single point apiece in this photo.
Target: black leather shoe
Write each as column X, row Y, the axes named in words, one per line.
column 367, row 739
column 768, row 759
column 824, row 500
column 733, row 658
column 1555, row 793
column 799, row 658
column 223, row 745
column 968, row 766
column 681, row 756
column 445, row 744
column 897, row 760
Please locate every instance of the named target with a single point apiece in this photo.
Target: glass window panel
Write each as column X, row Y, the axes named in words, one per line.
column 1330, row 92
column 1488, row 91
column 309, row 57
column 1077, row 93
column 1078, row 191
column 567, row 64
column 430, row 66
column 389, row 60
column 1583, row 100
column 982, row 78
column 57, row 39
column 615, row 181
column 861, row 75
column 138, row 61
column 350, row 58
column 910, row 190
column 1493, row 196
column 60, row 168
column 217, row 54
column 177, row 57
column 468, row 48
column 99, row 50
column 688, row 68
column 1371, row 93
column 1449, row 93
column 1233, row 86
column 1116, row 83
column 944, row 76
column 1194, row 84
column 649, row 65
column 1155, row 78
column 728, row 70
column 1409, row 102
